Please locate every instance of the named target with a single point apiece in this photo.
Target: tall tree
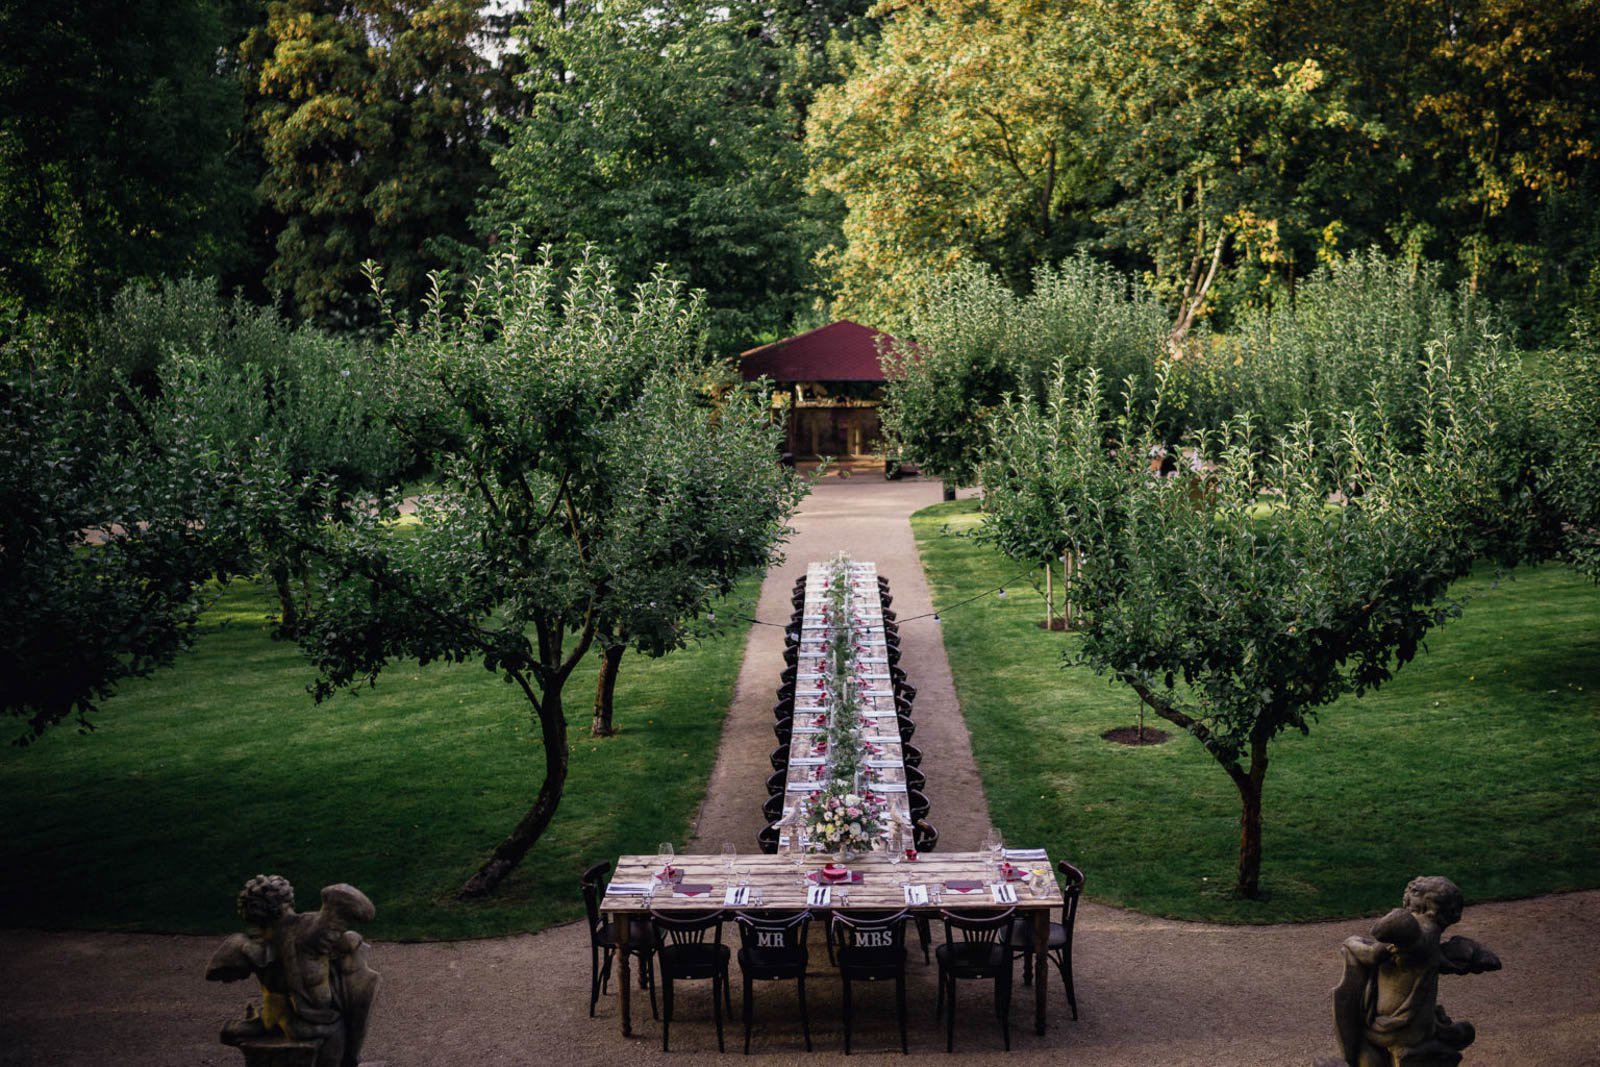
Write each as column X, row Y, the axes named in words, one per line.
column 956, row 136
column 117, row 150
column 660, row 135
column 372, row 118
column 545, row 397
column 679, row 535
column 102, row 567
column 1244, row 593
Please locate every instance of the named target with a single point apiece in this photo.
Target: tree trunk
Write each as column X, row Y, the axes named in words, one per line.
column 1249, row 785
column 605, row 690
column 507, row 854
column 288, row 616
column 949, row 491
column 1049, row 600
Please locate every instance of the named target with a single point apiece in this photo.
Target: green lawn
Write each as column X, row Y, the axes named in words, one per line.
column 1480, row 761
column 221, row 768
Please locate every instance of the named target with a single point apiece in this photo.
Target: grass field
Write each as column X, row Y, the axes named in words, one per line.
column 222, row 767
column 1479, row 761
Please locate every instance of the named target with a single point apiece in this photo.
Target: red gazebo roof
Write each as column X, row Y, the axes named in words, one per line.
column 842, row 351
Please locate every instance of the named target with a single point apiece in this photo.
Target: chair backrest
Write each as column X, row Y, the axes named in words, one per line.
column 783, row 932
column 686, row 927
column 767, row 840
column 918, row 803
column 974, row 927
column 591, row 892
column 779, row 758
column 908, row 692
column 776, row 781
column 772, row 807
column 924, row 836
column 915, row 779
column 1071, row 890
column 875, row 938
column 911, row 754
column 908, row 729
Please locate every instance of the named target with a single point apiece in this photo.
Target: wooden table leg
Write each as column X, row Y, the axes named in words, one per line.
column 624, row 925
column 1041, row 965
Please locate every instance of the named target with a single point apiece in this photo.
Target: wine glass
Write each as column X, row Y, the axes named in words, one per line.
column 730, row 853
column 663, row 858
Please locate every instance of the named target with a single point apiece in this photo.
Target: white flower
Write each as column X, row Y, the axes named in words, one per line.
column 851, row 800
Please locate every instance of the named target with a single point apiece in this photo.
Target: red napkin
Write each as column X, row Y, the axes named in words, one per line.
column 815, row 877
column 963, row 887
column 686, row 890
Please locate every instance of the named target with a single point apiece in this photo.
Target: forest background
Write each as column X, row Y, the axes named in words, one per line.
column 795, row 160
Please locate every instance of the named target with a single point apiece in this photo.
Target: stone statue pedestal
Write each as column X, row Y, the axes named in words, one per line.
column 279, row 1052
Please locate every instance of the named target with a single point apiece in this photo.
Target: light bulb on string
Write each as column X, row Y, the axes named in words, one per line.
column 1002, row 592
column 936, row 619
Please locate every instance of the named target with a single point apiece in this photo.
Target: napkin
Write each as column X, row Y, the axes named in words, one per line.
column 684, row 889
column 809, row 761
column 1025, row 854
column 1003, row 894
column 879, row 763
column 627, row 889
column 737, row 896
column 887, row 787
column 802, row 787
column 854, row 879
column 818, row 896
column 916, row 894
column 963, row 886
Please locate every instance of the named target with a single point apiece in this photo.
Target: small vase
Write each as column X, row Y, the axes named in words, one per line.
column 846, row 854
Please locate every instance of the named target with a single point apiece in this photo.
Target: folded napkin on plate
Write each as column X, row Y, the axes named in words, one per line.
column 963, row 886
column 816, row 876
column 1025, row 854
column 684, row 889
column 916, row 894
column 627, row 889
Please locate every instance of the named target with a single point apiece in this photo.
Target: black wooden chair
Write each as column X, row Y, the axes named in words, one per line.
column 776, row 782
column 907, row 692
column 977, row 946
column 603, row 942
column 783, row 730
column 779, row 758
column 915, row 779
column 902, row 706
column 908, row 729
column 911, row 754
column 684, row 954
column 783, row 708
column 772, row 807
column 767, row 840
column 773, row 948
column 872, row 948
column 917, row 801
column 924, row 837
column 1059, row 948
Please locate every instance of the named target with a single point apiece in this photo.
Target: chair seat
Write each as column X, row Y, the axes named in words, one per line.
column 973, row 960
column 773, row 964
column 639, row 937
column 1022, row 935
column 694, row 961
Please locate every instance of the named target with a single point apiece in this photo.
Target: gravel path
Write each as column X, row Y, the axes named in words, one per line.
column 1150, row 991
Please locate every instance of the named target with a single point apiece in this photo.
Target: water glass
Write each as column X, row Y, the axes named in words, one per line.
column 729, row 852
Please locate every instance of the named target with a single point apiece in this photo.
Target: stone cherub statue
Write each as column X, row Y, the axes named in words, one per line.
column 316, row 986
column 1386, row 1010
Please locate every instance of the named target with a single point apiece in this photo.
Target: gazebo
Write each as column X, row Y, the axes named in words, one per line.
column 830, row 382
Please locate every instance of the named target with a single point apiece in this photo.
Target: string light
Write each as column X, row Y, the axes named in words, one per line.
column 1002, row 592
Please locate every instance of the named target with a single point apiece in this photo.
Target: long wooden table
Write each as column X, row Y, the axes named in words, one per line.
column 874, row 688
column 779, row 879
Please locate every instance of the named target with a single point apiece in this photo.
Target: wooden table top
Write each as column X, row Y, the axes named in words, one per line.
column 780, row 882
column 879, row 726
